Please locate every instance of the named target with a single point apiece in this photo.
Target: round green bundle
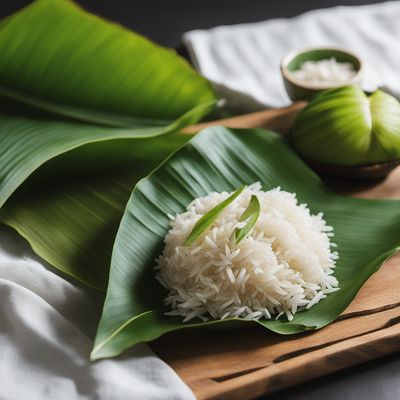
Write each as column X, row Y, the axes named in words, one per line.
column 346, row 126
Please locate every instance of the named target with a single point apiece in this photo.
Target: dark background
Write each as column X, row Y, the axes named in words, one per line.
column 165, row 21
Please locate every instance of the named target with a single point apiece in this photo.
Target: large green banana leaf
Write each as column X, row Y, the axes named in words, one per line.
column 80, row 177
column 84, row 98
column 72, row 226
column 55, row 55
column 366, row 232
column 28, row 143
column 71, row 220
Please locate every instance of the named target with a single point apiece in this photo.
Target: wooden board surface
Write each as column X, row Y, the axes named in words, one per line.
column 249, row 362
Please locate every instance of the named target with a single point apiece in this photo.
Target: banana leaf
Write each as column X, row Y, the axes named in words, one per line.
column 28, row 143
column 63, row 175
column 87, row 108
column 218, row 159
column 71, row 221
column 56, row 56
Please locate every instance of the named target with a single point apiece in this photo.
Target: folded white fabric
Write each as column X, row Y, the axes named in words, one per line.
column 243, row 60
column 46, row 330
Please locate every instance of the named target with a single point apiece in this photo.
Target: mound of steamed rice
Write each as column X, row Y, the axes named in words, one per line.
column 284, row 265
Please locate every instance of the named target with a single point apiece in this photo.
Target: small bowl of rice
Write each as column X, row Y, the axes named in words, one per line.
column 306, row 72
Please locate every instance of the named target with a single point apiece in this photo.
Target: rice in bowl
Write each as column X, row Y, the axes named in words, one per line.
column 285, row 264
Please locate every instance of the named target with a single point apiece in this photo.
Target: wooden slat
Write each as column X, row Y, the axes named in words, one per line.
column 279, row 120
column 245, row 363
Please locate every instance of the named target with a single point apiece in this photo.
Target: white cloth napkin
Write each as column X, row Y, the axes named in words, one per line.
column 46, row 329
column 243, row 60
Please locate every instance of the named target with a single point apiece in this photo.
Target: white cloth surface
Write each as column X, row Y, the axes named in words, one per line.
column 243, row 60
column 47, row 326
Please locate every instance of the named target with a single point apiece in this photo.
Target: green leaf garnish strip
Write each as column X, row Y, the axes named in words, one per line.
column 206, row 221
column 251, row 213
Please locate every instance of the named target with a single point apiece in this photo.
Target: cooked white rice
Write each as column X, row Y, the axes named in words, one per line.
column 328, row 71
column 284, row 265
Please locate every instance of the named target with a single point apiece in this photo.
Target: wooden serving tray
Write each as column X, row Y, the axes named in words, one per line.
column 249, row 362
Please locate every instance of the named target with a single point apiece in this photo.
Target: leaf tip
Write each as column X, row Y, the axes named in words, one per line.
column 93, row 355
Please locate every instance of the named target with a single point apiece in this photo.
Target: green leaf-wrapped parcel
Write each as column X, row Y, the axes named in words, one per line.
column 101, row 99
column 366, row 232
column 346, row 126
